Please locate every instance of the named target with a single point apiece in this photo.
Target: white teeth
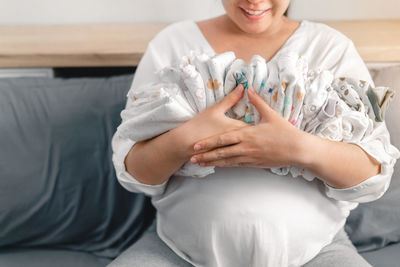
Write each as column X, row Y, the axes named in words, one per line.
column 251, row 12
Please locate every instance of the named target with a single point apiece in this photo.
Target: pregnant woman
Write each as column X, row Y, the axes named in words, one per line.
column 243, row 214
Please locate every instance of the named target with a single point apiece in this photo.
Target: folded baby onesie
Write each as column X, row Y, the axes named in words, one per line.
column 342, row 109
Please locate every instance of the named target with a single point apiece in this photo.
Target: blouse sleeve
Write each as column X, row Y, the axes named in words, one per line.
column 151, row 61
column 377, row 144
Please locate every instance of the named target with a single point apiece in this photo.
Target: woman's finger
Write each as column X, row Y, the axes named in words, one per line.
column 231, row 99
column 262, row 107
column 220, row 140
column 217, row 154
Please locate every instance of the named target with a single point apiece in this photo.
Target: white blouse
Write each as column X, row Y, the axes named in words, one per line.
column 250, row 216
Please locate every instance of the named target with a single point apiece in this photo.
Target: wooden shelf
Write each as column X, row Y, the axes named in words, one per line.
column 124, row 44
column 75, row 45
column 376, row 40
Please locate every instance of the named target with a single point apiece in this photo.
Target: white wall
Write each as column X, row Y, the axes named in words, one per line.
column 19, row 12
column 344, row 9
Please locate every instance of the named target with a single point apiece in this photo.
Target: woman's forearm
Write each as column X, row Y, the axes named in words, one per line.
column 154, row 161
column 339, row 164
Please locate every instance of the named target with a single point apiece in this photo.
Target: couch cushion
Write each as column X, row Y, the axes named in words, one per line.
column 388, row 256
column 57, row 182
column 48, row 258
column 375, row 224
column 149, row 251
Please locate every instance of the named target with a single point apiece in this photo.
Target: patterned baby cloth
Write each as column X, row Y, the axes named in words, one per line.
column 342, row 109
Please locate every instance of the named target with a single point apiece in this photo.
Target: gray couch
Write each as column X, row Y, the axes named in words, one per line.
column 60, row 202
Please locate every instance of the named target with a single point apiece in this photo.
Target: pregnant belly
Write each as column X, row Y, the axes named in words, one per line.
column 247, row 217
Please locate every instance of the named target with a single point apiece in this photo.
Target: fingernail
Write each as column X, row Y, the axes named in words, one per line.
column 197, row 147
column 193, row 160
column 251, row 90
column 240, row 87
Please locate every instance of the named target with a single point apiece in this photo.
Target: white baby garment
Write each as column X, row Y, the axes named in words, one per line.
column 309, row 99
column 248, row 216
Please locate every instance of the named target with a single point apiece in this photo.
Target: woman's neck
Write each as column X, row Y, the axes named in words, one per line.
column 223, row 36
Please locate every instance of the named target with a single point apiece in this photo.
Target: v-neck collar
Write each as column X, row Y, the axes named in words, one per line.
column 211, row 49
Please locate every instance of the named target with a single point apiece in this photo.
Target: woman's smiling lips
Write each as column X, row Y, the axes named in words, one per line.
column 256, row 15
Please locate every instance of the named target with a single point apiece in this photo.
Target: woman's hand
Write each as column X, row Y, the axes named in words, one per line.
column 273, row 142
column 211, row 121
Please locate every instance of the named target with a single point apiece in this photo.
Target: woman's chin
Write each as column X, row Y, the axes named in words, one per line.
column 254, row 29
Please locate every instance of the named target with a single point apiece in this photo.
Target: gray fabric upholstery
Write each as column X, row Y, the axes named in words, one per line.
column 340, row 253
column 57, row 182
column 49, row 258
column 388, row 256
column 376, row 224
column 149, row 251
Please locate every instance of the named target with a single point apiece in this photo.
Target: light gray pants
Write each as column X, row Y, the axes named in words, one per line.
column 150, row 251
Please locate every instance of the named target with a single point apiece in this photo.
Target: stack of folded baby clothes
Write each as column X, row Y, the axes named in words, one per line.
column 342, row 109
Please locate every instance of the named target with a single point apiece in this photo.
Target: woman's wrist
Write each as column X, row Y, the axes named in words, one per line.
column 165, row 150
column 338, row 164
column 183, row 142
column 306, row 146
